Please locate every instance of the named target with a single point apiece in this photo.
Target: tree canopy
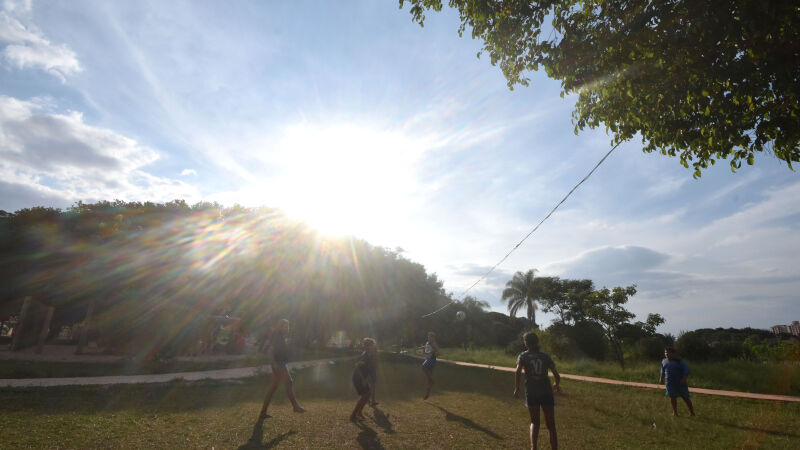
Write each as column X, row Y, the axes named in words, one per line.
column 703, row 81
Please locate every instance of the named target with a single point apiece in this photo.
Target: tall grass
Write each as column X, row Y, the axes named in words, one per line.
column 734, row 375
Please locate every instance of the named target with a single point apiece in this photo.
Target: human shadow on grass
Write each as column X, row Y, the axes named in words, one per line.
column 255, row 441
column 382, row 420
column 467, row 422
column 368, row 439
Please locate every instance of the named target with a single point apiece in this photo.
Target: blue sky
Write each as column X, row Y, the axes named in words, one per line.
column 352, row 117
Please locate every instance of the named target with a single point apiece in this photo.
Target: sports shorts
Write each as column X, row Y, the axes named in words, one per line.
column 537, row 400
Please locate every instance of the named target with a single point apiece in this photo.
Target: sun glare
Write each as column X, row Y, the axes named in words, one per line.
column 346, row 179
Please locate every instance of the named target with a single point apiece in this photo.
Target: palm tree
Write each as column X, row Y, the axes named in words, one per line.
column 521, row 291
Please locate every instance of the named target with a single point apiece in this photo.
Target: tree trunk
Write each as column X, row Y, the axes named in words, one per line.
column 85, row 329
column 20, row 328
column 532, row 316
column 45, row 329
column 618, row 352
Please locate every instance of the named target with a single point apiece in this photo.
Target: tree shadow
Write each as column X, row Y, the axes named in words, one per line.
column 467, row 422
column 368, row 439
column 255, row 441
column 382, row 420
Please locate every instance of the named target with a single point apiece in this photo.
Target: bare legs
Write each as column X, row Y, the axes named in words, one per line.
column 550, row 422
column 280, row 376
column 429, row 376
column 372, row 392
column 358, row 410
column 673, row 401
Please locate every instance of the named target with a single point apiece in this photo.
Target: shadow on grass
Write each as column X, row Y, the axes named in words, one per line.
column 368, row 439
column 255, row 441
column 467, row 422
column 750, row 429
column 382, row 420
column 327, row 382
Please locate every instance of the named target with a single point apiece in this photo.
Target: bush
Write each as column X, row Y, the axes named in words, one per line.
column 558, row 345
column 691, row 346
column 649, row 348
column 586, row 340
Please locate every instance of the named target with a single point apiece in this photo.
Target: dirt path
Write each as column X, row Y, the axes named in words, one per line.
column 750, row 395
column 222, row 374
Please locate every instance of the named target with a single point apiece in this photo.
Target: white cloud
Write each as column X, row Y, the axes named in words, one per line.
column 27, row 48
column 56, row 158
column 186, row 172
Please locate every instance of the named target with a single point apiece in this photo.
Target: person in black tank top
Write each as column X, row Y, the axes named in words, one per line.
column 538, row 393
column 280, row 374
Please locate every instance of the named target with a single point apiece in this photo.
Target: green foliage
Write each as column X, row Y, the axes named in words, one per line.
column 587, row 338
column 566, row 298
column 701, row 81
column 158, row 274
column 779, row 352
column 692, row 346
column 605, row 307
column 649, row 348
column 558, row 345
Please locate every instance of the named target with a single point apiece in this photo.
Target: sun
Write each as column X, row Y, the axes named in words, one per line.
column 347, row 179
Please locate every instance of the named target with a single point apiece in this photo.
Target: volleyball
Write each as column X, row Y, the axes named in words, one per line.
column 461, row 315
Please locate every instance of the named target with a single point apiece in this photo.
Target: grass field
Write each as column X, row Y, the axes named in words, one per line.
column 469, row 408
column 734, row 375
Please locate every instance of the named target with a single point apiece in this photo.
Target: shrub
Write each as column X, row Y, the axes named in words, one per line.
column 649, row 348
column 691, row 346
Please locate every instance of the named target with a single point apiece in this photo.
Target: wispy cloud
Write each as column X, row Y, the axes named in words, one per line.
column 27, row 48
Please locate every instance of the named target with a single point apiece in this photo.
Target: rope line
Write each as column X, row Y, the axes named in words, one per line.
column 529, row 233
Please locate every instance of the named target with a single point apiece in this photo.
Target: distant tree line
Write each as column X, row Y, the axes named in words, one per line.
column 152, row 277
column 153, row 274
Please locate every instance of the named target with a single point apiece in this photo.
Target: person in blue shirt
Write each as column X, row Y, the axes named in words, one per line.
column 538, row 392
column 674, row 374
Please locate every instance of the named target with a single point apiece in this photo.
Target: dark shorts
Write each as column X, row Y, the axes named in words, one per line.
column 278, row 364
column 677, row 390
column 537, row 400
column 429, row 364
column 362, row 387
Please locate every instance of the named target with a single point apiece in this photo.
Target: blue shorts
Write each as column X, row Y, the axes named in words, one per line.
column 677, row 390
column 537, row 400
column 429, row 363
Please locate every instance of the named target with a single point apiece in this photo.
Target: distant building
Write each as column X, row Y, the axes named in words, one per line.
column 780, row 329
column 793, row 329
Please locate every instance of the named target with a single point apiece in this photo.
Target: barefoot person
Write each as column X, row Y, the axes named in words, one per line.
column 431, row 348
column 280, row 375
column 538, row 392
column 676, row 372
column 362, row 379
